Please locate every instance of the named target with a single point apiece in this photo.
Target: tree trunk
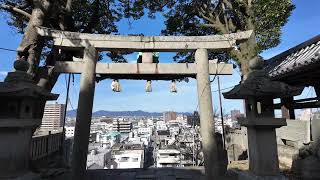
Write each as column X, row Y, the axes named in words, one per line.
column 31, row 45
column 248, row 50
column 46, row 77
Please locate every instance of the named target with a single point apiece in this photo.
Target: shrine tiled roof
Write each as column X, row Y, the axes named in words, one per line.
column 294, row 60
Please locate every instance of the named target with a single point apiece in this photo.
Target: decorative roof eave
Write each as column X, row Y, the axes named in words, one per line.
column 25, row 90
column 259, row 85
column 294, row 60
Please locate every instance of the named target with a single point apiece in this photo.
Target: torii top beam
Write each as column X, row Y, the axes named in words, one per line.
column 104, row 42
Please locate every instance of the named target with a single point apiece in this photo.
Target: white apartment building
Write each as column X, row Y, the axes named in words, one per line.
column 144, row 131
column 53, row 116
column 161, row 126
column 127, row 159
column 108, row 139
column 150, row 122
column 69, row 131
column 168, row 158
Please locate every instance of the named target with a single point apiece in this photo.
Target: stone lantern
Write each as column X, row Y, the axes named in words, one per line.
column 259, row 91
column 20, row 114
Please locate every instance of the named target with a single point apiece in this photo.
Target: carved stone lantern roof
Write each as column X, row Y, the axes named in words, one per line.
column 20, row 84
column 259, row 85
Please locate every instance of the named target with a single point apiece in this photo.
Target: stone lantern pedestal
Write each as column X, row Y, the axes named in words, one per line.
column 259, row 91
column 20, row 114
column 262, row 144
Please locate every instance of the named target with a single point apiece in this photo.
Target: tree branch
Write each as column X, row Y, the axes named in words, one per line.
column 207, row 25
column 206, row 18
column 15, row 9
column 94, row 19
column 68, row 6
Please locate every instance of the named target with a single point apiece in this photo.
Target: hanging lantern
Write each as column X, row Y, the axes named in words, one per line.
column 173, row 87
column 115, row 86
column 148, row 86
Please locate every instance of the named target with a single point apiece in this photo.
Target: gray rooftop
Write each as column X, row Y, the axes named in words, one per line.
column 298, row 62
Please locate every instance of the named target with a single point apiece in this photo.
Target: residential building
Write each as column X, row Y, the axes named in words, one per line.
column 126, row 156
column 161, row 126
column 163, row 138
column 174, row 128
column 168, row 158
column 169, row 115
column 144, row 130
column 98, row 157
column 108, row 139
column 122, row 125
column 69, row 131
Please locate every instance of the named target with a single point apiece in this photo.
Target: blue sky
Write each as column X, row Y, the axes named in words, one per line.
column 303, row 25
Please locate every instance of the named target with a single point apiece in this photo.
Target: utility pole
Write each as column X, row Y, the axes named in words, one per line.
column 221, row 113
column 65, row 116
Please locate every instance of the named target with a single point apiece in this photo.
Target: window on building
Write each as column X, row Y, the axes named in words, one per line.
column 124, row 159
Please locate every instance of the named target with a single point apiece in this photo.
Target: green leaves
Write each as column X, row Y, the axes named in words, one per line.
column 182, row 17
column 207, row 17
column 269, row 17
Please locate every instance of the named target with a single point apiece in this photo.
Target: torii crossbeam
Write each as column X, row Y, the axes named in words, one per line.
column 104, row 42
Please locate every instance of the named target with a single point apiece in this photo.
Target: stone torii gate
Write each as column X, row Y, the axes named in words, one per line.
column 88, row 68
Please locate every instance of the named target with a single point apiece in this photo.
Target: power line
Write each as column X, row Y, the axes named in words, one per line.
column 6, row 49
column 209, row 83
column 223, row 89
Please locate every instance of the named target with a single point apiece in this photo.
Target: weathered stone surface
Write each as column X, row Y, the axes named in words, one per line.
column 310, row 168
column 146, row 71
column 19, row 117
column 27, row 176
column 20, row 84
column 296, row 131
column 246, row 175
column 144, row 43
column 84, row 113
column 209, row 143
column 258, row 84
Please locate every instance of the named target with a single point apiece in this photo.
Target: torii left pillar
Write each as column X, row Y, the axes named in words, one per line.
column 84, row 113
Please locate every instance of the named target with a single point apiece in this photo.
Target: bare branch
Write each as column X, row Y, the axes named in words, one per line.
column 15, row 9
column 207, row 18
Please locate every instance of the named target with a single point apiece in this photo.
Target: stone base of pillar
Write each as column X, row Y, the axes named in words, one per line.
column 15, row 137
column 247, row 175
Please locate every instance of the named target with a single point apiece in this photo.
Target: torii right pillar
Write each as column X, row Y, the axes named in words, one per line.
column 214, row 168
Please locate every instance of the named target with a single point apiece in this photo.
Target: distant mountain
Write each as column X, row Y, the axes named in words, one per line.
column 73, row 113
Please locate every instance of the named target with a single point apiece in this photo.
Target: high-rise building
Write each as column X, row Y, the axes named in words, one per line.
column 53, row 116
column 169, row 115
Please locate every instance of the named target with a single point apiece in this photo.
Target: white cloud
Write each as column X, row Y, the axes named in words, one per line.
column 3, row 73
